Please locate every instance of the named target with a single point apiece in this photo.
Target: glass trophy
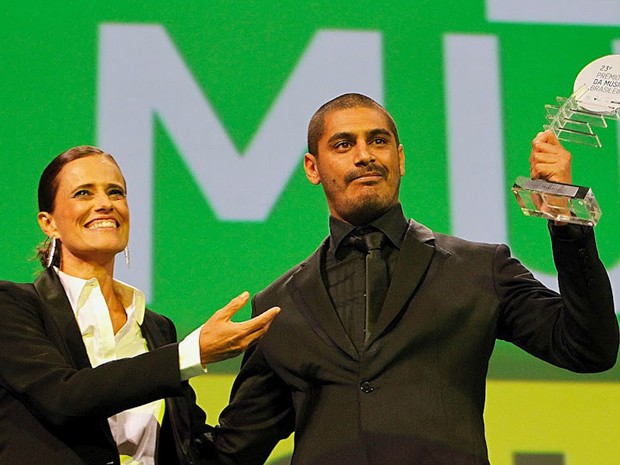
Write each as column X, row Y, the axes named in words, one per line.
column 595, row 101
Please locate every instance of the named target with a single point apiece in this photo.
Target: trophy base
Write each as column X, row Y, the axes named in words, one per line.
column 554, row 201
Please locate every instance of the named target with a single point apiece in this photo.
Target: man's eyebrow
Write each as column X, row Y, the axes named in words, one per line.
column 341, row 135
column 380, row 132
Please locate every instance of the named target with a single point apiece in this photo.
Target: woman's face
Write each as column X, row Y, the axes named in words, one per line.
column 91, row 216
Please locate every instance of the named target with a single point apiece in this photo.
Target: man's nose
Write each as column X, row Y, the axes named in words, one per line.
column 363, row 154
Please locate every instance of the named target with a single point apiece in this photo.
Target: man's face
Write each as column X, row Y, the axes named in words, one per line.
column 358, row 163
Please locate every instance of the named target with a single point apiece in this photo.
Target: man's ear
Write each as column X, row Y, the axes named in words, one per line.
column 47, row 224
column 311, row 169
column 401, row 159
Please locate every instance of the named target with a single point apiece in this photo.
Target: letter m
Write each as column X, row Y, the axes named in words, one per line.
column 141, row 75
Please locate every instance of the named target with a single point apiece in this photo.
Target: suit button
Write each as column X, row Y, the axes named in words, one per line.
column 366, row 387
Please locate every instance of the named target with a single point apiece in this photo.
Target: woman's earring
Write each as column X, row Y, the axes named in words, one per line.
column 51, row 252
column 126, row 253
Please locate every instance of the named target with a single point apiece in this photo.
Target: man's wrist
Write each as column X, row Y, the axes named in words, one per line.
column 569, row 231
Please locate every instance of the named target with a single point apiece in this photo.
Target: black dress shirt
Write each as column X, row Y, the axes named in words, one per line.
column 344, row 268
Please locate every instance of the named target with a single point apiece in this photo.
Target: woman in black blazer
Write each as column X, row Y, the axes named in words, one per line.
column 87, row 374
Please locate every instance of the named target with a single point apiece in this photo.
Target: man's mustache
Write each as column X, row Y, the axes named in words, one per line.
column 359, row 172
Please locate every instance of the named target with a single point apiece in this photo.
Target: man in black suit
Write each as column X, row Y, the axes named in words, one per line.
column 406, row 386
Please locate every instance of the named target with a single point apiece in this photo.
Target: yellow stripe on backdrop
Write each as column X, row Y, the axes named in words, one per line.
column 580, row 421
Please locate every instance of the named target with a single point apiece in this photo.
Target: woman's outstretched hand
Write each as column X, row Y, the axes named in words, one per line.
column 221, row 338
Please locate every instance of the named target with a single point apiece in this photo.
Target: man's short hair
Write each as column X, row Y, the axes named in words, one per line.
column 342, row 102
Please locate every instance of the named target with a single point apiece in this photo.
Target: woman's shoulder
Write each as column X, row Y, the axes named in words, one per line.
column 9, row 288
column 158, row 318
column 163, row 324
column 18, row 297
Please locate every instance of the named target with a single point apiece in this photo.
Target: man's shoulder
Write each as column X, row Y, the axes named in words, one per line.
column 446, row 242
column 278, row 284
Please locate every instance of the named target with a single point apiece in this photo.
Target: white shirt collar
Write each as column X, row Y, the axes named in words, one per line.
column 78, row 289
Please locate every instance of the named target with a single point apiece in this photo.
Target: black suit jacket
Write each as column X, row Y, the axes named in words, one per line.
column 54, row 406
column 415, row 394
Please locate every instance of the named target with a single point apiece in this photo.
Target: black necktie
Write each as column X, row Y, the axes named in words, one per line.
column 377, row 279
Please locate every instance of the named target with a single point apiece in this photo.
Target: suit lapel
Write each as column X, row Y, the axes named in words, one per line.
column 172, row 421
column 414, row 258
column 57, row 305
column 307, row 290
column 152, row 333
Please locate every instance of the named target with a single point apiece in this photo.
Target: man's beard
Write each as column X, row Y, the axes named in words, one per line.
column 367, row 207
column 365, row 210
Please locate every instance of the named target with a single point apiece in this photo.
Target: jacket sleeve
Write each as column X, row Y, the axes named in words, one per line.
column 188, row 420
column 35, row 367
column 576, row 329
column 259, row 415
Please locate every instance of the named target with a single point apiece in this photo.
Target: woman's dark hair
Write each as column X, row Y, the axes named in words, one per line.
column 48, row 187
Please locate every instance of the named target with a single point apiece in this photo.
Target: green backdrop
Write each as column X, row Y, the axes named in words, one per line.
column 458, row 77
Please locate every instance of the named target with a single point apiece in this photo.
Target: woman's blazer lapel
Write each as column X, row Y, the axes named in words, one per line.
column 57, row 312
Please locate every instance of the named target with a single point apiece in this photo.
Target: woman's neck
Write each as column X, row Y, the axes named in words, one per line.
column 104, row 273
